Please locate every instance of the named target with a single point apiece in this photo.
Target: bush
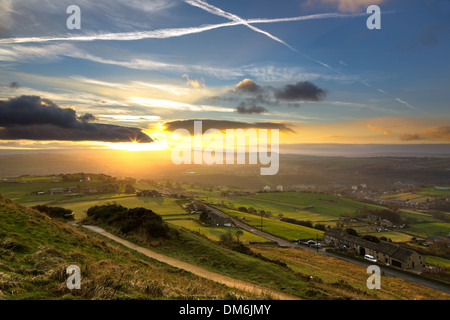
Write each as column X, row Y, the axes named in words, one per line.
column 352, row 232
column 320, row 226
column 55, row 212
column 130, row 220
column 307, row 224
column 370, row 238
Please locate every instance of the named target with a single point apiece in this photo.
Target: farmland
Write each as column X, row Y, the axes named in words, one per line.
column 270, row 208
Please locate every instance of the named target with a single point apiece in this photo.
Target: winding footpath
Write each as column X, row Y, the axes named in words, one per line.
column 199, row 271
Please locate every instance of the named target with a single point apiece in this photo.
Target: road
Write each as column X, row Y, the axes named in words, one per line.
column 199, row 271
column 284, row 243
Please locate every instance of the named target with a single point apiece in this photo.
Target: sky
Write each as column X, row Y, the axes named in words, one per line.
column 312, row 69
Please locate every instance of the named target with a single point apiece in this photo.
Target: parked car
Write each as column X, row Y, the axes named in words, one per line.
column 313, row 243
column 370, row 258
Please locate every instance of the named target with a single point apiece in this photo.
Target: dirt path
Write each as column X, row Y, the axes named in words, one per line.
column 201, row 272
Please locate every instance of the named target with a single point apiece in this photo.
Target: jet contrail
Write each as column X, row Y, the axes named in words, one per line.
column 177, row 32
column 234, row 18
column 219, row 12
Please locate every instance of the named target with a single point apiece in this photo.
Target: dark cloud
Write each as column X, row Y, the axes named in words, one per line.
column 34, row 118
column 87, row 117
column 435, row 133
column 410, row 137
column 223, row 125
column 254, row 98
column 14, row 85
column 302, row 90
column 440, row 133
column 243, row 109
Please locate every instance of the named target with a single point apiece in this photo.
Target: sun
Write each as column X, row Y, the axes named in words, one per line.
column 159, row 143
column 135, row 146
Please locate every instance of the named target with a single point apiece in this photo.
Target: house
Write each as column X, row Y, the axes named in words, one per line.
column 384, row 252
column 266, row 189
column 217, row 220
column 386, row 223
column 56, row 191
column 280, row 188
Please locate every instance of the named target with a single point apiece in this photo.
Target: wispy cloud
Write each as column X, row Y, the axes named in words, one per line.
column 174, row 105
column 179, row 32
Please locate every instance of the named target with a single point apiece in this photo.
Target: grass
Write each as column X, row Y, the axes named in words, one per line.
column 214, row 233
column 444, row 263
column 163, row 206
column 393, row 235
column 345, row 278
column 276, row 227
column 36, row 250
column 426, row 229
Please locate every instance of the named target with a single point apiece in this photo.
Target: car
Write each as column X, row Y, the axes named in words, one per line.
column 370, row 258
column 313, row 243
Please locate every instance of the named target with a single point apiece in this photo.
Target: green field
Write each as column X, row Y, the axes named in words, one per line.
column 36, row 250
column 276, row 227
column 314, row 207
column 303, row 206
column 214, row 233
column 423, row 195
column 430, row 229
column 163, row 206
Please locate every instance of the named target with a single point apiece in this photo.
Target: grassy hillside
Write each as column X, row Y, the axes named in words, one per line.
column 36, row 250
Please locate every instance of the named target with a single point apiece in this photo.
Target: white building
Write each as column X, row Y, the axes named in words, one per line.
column 280, row 188
column 266, row 188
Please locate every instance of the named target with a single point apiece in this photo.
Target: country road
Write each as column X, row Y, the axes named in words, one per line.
column 199, row 271
column 286, row 243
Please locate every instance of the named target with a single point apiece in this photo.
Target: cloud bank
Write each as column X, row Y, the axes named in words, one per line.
column 35, row 118
column 223, row 125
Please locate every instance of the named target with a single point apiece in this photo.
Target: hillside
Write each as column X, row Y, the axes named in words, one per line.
column 36, row 250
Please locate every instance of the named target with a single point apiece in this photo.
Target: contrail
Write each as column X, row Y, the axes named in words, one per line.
column 177, row 32
column 234, row 18
column 219, row 12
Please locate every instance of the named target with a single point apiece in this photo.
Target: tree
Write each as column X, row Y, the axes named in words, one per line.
column 352, row 232
column 226, row 238
column 204, row 217
column 371, row 238
column 129, row 189
column 238, row 234
column 320, row 226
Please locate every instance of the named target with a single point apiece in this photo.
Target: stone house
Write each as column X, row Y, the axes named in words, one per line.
column 385, row 252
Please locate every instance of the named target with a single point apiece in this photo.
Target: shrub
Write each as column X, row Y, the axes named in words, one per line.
column 55, row 212
column 130, row 220
column 352, row 232
column 371, row 238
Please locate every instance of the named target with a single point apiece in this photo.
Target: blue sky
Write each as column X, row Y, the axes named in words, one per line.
column 382, row 86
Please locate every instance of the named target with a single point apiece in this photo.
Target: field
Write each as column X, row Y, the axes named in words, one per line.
column 35, row 252
column 288, row 270
column 278, row 228
column 344, row 277
column 423, row 195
